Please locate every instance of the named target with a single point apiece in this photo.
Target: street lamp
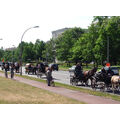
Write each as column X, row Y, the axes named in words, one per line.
column 107, row 49
column 1, row 39
column 21, row 46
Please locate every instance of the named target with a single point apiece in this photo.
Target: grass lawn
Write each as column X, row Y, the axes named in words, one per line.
column 13, row 92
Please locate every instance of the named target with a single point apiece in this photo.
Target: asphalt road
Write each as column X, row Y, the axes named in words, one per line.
column 59, row 76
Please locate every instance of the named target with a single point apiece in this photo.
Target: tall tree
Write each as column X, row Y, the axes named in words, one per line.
column 39, row 47
column 66, row 41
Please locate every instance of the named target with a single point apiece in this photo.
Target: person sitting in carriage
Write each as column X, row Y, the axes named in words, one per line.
column 109, row 72
column 78, row 71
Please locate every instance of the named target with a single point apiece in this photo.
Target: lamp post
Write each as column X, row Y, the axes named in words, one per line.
column 1, row 47
column 22, row 46
column 107, row 49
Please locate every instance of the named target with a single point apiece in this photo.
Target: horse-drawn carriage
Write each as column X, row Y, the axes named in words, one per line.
column 103, row 78
column 38, row 70
column 83, row 78
column 106, row 78
column 30, row 68
column 41, row 69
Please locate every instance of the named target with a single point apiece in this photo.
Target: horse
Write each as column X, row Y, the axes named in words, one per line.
column 17, row 66
column 115, row 81
column 83, row 77
column 88, row 74
column 41, row 69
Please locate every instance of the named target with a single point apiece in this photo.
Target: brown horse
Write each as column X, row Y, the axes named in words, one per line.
column 88, row 74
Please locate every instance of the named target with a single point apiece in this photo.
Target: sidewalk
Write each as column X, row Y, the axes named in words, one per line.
column 77, row 95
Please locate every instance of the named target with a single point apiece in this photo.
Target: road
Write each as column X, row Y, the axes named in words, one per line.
column 59, row 76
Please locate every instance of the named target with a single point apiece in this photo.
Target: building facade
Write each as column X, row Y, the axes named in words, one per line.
column 58, row 32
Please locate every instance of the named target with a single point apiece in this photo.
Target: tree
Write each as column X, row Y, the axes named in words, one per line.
column 66, row 41
column 49, row 52
column 39, row 47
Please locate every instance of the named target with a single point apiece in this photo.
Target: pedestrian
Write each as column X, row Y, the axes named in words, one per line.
column 49, row 76
column 6, row 69
column 12, row 70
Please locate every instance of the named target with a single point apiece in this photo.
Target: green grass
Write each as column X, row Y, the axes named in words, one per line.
column 13, row 92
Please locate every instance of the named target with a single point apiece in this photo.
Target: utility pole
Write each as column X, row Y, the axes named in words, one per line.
column 107, row 49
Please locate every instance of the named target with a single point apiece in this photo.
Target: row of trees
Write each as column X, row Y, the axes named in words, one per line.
column 76, row 44
column 31, row 52
column 91, row 44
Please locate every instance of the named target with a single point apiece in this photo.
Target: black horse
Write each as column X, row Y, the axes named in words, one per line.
column 17, row 66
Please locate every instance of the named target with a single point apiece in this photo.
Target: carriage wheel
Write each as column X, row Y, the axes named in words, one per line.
column 71, row 81
column 75, row 82
column 86, row 83
column 93, row 85
column 102, row 89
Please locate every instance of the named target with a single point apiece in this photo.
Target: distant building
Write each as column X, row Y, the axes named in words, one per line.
column 10, row 49
column 56, row 33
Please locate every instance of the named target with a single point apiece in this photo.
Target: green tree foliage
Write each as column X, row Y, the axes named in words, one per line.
column 49, row 53
column 1, row 53
column 113, row 32
column 66, row 41
column 39, row 47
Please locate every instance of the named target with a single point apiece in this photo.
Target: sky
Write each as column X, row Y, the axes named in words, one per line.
column 18, row 15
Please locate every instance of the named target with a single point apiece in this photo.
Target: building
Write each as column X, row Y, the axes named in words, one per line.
column 55, row 34
column 58, row 32
column 10, row 49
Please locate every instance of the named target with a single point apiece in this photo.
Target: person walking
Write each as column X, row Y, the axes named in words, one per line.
column 12, row 70
column 6, row 69
column 49, row 76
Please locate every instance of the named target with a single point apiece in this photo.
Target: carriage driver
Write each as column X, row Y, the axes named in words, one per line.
column 78, row 70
